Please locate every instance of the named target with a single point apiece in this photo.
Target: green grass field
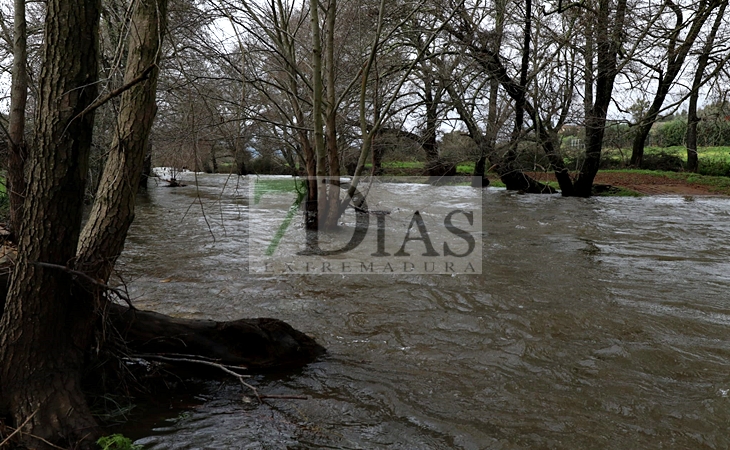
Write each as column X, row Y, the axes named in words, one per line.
column 712, row 160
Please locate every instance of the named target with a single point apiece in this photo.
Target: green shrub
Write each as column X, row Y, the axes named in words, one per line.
column 117, row 442
column 714, row 167
column 4, row 207
column 670, row 134
column 662, row 160
column 714, row 132
column 711, row 132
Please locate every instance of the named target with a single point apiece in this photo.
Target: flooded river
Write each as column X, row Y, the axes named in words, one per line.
column 596, row 323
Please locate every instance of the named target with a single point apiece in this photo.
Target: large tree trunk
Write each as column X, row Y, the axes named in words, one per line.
column 43, row 330
column 608, row 37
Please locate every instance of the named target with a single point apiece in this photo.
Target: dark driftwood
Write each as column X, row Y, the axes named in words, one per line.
column 255, row 343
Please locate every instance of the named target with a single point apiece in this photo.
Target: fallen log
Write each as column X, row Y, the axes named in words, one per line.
column 258, row 344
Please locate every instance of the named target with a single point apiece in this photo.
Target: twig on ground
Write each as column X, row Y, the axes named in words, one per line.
column 203, row 358
column 45, row 441
column 224, row 368
column 17, row 430
column 284, row 397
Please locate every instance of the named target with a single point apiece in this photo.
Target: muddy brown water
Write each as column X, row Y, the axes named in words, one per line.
column 597, row 323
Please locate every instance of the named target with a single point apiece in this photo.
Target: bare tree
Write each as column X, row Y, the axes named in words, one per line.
column 697, row 83
column 678, row 47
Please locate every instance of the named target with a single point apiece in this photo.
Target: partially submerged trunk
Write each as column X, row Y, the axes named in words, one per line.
column 146, row 168
column 257, row 344
column 479, row 177
column 609, row 36
column 608, row 39
column 511, row 175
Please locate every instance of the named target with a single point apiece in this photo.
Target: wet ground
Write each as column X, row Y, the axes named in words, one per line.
column 647, row 184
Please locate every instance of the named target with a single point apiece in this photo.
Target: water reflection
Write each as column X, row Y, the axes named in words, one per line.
column 595, row 323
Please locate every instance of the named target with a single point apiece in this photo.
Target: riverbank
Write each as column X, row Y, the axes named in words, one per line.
column 627, row 181
column 650, row 182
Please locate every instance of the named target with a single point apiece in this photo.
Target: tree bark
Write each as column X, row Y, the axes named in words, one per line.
column 16, row 127
column 43, row 334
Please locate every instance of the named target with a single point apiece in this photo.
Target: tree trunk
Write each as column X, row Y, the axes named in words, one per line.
column 103, row 237
column 146, row 167
column 318, row 210
column 609, row 39
column 514, row 180
column 434, row 166
column 213, row 159
column 588, row 56
column 239, row 157
column 44, row 333
column 333, row 157
column 378, row 151
column 16, row 127
column 489, row 142
column 258, row 344
column 479, row 177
